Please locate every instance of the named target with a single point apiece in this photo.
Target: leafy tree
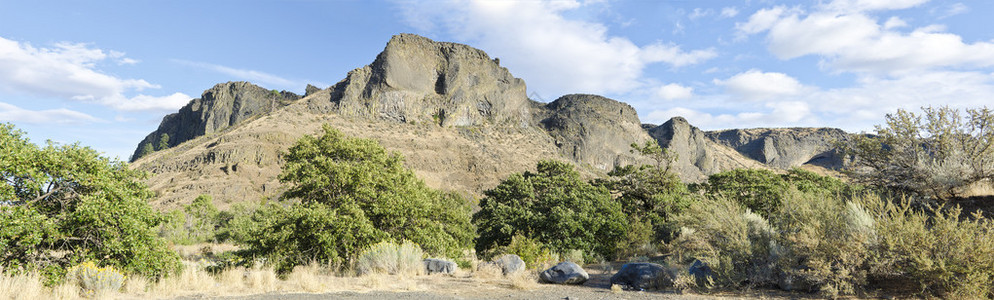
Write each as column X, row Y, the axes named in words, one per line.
column 163, row 142
column 935, row 154
column 649, row 194
column 146, row 150
column 352, row 194
column 762, row 191
column 66, row 199
column 554, row 206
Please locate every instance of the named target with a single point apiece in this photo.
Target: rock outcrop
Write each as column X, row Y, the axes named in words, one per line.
column 593, row 129
column 220, row 107
column 697, row 156
column 784, row 148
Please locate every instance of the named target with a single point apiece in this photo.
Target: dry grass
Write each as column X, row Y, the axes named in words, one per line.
column 24, row 286
column 616, row 288
column 526, row 280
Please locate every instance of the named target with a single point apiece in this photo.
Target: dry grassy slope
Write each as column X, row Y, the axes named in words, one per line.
column 242, row 163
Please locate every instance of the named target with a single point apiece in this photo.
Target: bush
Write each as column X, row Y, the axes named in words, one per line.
column 94, row 279
column 197, row 222
column 935, row 154
column 759, row 190
column 352, row 194
column 553, row 206
column 65, row 204
column 391, row 258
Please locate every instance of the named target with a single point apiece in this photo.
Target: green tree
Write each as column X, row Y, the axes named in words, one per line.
column 146, row 150
column 554, row 206
column 163, row 142
column 935, row 154
column 762, row 191
column 354, row 193
column 64, row 204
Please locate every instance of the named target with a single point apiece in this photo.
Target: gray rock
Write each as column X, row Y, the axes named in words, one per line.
column 643, row 276
column 565, row 273
column 594, row 130
column 510, row 264
column 701, row 272
column 697, row 156
column 785, row 148
column 310, row 90
column 434, row 266
column 220, row 107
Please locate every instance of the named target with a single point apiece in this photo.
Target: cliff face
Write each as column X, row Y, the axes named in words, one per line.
column 784, row 148
column 461, row 120
column 220, row 107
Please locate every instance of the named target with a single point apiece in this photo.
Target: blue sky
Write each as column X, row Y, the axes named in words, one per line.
column 104, row 73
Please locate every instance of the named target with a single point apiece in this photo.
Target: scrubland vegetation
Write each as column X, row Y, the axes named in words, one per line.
column 74, row 224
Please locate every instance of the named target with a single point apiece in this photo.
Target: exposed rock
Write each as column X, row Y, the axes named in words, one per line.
column 701, row 272
column 785, row 148
column 310, row 90
column 435, row 266
column 219, row 107
column 643, row 276
column 697, row 156
column 565, row 273
column 419, row 80
column 510, row 264
column 594, row 130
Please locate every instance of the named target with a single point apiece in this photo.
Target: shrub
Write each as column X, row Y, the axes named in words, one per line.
column 352, row 194
column 532, row 252
column 934, row 154
column 67, row 204
column 95, row 279
column 760, row 190
column 197, row 222
column 553, row 206
column 391, row 258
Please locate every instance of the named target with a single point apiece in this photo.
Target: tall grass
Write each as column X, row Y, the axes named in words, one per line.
column 391, row 258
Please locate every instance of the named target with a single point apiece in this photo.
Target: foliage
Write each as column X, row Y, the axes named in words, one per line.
column 352, row 195
column 531, row 251
column 935, row 154
column 391, row 258
column 198, row 222
column 554, row 206
column 163, row 142
column 759, row 190
column 66, row 199
column 95, row 279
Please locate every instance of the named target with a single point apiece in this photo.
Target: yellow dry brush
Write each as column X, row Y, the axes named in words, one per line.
column 95, row 279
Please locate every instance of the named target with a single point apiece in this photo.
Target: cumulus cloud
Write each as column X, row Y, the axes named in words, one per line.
column 553, row 53
column 729, row 12
column 674, row 91
column 847, row 38
column 67, row 71
column 757, row 85
column 11, row 113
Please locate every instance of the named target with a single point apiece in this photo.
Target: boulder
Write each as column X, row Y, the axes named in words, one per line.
column 643, row 276
column 565, row 273
column 510, row 263
column 434, row 266
column 701, row 272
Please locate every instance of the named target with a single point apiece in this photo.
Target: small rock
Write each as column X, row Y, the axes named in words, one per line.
column 565, row 273
column 701, row 272
column 510, row 263
column 434, row 266
column 643, row 276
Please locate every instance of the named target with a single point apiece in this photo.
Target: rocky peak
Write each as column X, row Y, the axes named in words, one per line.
column 784, row 148
column 419, row 80
column 697, row 156
column 593, row 129
column 220, row 107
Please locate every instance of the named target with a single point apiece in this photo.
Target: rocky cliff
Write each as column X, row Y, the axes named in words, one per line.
column 785, row 147
column 220, row 107
column 461, row 120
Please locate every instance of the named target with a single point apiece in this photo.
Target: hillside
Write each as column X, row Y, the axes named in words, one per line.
column 462, row 121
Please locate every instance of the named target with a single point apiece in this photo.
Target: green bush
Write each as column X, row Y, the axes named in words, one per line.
column 391, row 258
column 197, row 222
column 66, row 204
column 352, row 194
column 758, row 189
column 553, row 206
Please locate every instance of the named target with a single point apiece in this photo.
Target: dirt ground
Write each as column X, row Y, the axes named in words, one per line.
column 465, row 287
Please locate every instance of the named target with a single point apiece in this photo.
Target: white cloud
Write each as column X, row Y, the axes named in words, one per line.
column 851, row 40
column 729, row 12
column 954, row 9
column 151, row 103
column 11, row 113
column 253, row 76
column 674, row 91
column 67, row 71
column 552, row 53
column 871, row 5
column 758, row 85
column 698, row 13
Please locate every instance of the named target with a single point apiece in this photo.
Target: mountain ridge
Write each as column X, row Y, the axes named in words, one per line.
column 462, row 121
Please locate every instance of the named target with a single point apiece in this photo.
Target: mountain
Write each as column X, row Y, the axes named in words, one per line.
column 461, row 120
